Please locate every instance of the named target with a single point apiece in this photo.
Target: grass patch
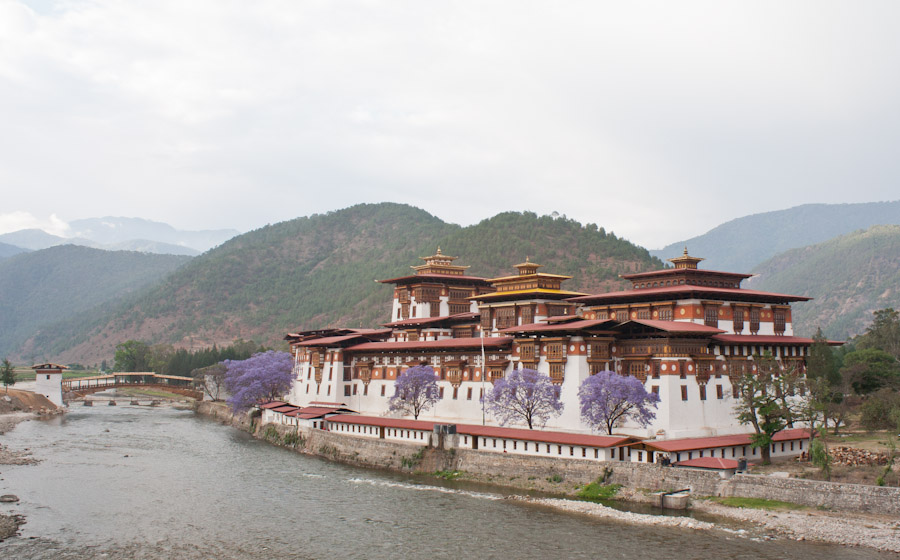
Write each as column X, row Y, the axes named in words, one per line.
column 447, row 475
column 758, row 503
column 555, row 478
column 598, row 491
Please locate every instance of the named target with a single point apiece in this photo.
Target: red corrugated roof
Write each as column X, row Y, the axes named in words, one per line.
column 401, row 423
column 564, row 438
column 272, row 404
column 690, row 444
column 285, row 408
column 442, row 277
column 329, row 340
column 709, row 463
column 448, row 343
column 426, row 320
column 673, row 326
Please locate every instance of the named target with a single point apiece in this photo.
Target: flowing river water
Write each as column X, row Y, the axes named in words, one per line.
column 140, row 482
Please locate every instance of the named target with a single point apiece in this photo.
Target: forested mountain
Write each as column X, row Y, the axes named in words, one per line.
column 320, row 271
column 37, row 239
column 742, row 244
column 7, row 250
column 850, row 277
column 44, row 287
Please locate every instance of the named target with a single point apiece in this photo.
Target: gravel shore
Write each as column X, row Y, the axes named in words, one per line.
column 854, row 530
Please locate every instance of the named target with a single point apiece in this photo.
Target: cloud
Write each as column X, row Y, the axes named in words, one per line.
column 657, row 121
column 15, row 221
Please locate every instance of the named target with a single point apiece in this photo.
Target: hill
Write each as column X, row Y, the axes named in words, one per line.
column 43, row 287
column 320, row 271
column 7, row 250
column 742, row 244
column 849, row 276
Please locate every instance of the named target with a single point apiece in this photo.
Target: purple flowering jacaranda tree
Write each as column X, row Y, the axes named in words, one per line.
column 415, row 391
column 525, row 395
column 608, row 398
column 265, row 376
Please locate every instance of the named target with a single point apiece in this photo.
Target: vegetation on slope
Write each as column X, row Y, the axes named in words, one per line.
column 850, row 277
column 320, row 271
column 43, row 287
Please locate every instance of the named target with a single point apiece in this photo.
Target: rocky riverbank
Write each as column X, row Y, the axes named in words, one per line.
column 878, row 533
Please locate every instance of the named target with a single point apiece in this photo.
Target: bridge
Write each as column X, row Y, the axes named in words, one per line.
column 81, row 386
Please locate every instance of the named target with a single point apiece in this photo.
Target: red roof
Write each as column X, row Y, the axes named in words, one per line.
column 425, row 320
column 709, row 463
column 272, row 404
column 317, row 411
column 285, row 408
column 564, row 438
column 690, row 444
column 686, row 290
column 323, row 403
column 673, row 326
column 557, row 326
column 448, row 343
column 437, row 277
column 401, row 423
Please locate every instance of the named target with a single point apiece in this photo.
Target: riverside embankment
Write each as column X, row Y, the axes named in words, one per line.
column 824, row 519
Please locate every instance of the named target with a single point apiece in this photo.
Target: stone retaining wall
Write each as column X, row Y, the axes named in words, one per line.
column 379, row 453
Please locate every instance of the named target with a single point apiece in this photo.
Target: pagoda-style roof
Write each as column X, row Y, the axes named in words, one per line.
column 685, row 261
column 443, row 344
column 437, row 279
column 527, row 284
column 440, row 263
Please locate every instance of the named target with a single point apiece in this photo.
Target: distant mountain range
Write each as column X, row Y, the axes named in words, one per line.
column 319, row 271
column 741, row 244
column 44, row 287
column 123, row 234
column 849, row 276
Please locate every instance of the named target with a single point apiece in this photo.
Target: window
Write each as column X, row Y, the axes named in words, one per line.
column 557, row 372
column 754, row 321
column 382, row 390
column 665, row 314
column 654, row 389
column 506, row 317
column 469, row 394
column 720, row 394
column 643, row 314
column 346, row 390
column 711, row 316
column 684, row 395
column 455, row 393
column 441, row 392
column 738, row 320
column 702, row 392
column 555, row 351
column 779, row 320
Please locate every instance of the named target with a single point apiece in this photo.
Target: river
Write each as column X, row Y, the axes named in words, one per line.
column 140, row 482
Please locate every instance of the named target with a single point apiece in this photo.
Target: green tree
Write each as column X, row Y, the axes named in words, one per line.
column 870, row 369
column 761, row 403
column 132, row 355
column 883, row 333
column 7, row 374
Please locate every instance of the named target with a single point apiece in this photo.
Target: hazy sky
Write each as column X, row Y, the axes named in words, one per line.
column 656, row 120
